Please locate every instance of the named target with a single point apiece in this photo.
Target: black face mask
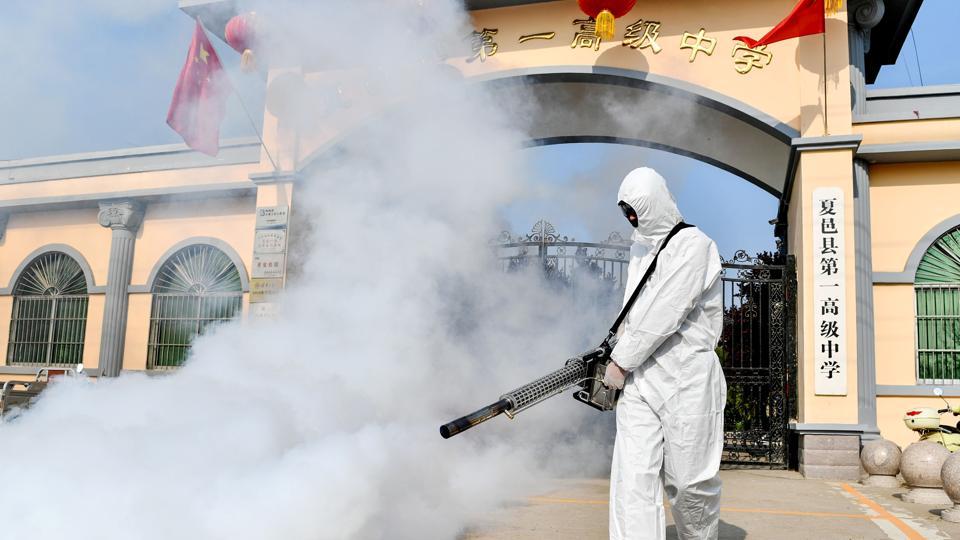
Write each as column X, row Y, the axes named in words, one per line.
column 629, row 213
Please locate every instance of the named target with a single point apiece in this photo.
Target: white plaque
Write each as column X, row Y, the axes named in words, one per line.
column 270, row 241
column 829, row 293
column 266, row 310
column 268, row 265
column 269, row 217
column 265, row 289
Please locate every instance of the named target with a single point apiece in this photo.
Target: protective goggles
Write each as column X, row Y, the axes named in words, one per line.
column 629, row 213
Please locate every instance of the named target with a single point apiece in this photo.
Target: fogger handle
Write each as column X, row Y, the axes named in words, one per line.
column 464, row 423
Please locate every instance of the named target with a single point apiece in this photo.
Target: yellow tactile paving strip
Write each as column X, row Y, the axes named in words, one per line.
column 881, row 512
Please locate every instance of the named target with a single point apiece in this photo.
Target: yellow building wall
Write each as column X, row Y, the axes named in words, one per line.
column 906, row 201
column 77, row 228
column 91, row 341
column 893, row 307
column 228, row 219
column 138, row 332
column 943, row 129
column 6, row 308
column 146, row 181
column 722, row 21
column 798, row 223
column 794, row 77
column 792, row 88
column 890, row 411
column 823, row 169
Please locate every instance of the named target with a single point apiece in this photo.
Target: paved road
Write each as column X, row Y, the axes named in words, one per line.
column 756, row 504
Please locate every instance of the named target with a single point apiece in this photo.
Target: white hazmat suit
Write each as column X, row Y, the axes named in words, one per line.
column 670, row 415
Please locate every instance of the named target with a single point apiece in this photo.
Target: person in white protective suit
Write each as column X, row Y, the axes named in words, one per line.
column 670, row 415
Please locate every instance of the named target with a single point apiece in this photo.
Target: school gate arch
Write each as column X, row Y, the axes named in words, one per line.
column 791, row 122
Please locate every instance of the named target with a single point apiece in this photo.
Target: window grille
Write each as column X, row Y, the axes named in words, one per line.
column 197, row 288
column 49, row 317
column 938, row 311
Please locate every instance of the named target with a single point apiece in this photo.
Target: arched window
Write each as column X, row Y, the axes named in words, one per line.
column 937, row 287
column 49, row 313
column 198, row 286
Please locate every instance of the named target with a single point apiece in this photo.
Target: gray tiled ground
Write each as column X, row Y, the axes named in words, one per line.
column 756, row 504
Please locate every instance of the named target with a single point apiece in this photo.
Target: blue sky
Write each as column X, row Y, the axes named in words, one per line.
column 577, row 187
column 98, row 74
column 935, row 36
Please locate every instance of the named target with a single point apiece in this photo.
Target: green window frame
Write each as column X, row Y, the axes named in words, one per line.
column 937, row 288
column 49, row 319
column 197, row 288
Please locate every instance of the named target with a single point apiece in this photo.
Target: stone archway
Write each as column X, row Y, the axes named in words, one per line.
column 596, row 104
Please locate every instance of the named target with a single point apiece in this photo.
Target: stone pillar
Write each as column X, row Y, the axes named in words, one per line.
column 866, row 344
column 830, row 457
column 864, row 15
column 123, row 218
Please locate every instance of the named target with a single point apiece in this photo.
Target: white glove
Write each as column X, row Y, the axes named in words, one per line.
column 614, row 376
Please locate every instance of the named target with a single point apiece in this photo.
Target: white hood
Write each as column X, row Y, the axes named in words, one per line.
column 646, row 191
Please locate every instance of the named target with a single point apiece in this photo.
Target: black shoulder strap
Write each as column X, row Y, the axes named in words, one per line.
column 646, row 275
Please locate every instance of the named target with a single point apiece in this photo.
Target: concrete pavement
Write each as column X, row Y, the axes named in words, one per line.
column 756, row 504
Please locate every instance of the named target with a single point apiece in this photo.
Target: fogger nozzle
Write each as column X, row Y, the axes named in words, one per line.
column 522, row 398
column 466, row 422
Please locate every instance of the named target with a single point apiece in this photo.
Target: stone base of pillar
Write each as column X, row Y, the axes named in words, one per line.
column 830, row 457
column 926, row 495
column 951, row 514
column 879, row 480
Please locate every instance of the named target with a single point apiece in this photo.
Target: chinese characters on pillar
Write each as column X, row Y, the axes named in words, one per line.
column 829, row 293
column 642, row 35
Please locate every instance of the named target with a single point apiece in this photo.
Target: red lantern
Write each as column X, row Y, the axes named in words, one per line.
column 241, row 34
column 604, row 12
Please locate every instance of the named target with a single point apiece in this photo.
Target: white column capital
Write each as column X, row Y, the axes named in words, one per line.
column 123, row 215
column 864, row 16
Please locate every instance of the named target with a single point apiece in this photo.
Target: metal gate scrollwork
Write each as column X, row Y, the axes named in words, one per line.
column 757, row 346
column 757, row 350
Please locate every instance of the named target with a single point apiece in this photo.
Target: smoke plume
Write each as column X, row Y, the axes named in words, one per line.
column 323, row 423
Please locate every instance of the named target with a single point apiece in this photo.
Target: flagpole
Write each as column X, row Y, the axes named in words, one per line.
column 256, row 131
column 826, row 107
column 252, row 123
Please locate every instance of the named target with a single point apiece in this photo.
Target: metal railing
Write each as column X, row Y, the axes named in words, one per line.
column 177, row 319
column 564, row 258
column 757, row 350
column 757, row 347
column 938, row 333
column 47, row 330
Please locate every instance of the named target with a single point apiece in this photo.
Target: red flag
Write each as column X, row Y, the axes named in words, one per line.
column 199, row 99
column 807, row 18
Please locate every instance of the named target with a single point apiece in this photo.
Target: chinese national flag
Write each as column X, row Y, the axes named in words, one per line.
column 199, row 99
column 807, row 18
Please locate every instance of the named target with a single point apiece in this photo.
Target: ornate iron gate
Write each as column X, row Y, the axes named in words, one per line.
column 758, row 352
column 757, row 346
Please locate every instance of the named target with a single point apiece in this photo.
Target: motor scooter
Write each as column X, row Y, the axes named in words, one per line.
column 926, row 422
